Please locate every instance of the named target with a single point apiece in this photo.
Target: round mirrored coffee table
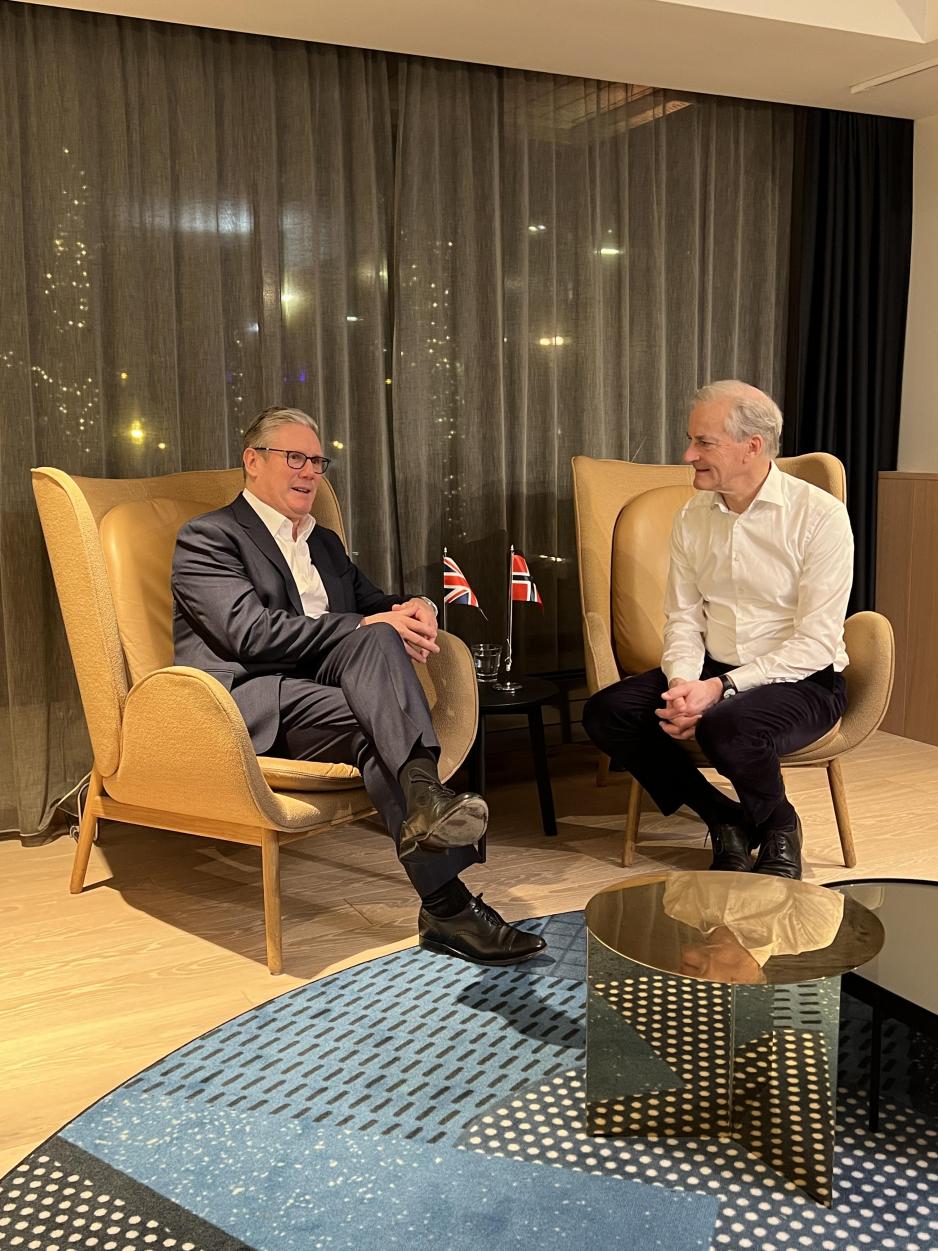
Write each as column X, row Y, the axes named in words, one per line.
column 713, row 1005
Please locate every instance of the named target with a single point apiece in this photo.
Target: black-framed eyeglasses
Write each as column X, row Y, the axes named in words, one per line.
column 297, row 460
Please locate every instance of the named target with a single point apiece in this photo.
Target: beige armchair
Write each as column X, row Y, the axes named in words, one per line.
column 171, row 749
column 624, row 513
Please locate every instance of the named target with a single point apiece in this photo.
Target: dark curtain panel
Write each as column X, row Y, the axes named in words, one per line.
column 850, row 254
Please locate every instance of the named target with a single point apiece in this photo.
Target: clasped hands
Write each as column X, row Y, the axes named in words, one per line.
column 415, row 622
column 685, row 703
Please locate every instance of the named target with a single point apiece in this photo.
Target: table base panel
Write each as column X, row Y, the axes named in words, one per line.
column 671, row 1056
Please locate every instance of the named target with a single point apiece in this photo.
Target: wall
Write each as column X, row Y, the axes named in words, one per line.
column 918, row 430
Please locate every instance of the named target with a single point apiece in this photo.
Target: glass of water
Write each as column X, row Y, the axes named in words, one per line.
column 486, row 657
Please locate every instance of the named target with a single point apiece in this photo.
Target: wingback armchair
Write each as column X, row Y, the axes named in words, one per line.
column 171, row 749
column 624, row 513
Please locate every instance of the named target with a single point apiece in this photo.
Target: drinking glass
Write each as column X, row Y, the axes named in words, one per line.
column 486, row 657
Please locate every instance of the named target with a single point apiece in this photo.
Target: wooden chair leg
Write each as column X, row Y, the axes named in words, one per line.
column 632, row 819
column 839, row 799
column 270, row 859
column 602, row 770
column 86, row 833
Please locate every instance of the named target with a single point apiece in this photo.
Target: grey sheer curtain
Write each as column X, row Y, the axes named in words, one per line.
column 188, row 220
column 574, row 259
column 468, row 274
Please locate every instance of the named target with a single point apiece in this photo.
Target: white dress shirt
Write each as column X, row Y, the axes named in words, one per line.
column 771, row 921
column 296, row 553
column 765, row 590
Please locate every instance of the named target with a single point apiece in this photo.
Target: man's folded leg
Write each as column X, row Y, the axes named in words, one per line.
column 317, row 723
column 621, row 720
column 745, row 737
column 388, row 705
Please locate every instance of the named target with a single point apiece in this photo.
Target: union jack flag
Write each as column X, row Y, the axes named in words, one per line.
column 456, row 588
column 522, row 584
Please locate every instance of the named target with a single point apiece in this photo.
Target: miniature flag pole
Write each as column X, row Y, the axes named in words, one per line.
column 445, row 602
column 507, row 685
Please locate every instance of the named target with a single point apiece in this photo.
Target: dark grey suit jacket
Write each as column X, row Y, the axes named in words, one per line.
column 237, row 613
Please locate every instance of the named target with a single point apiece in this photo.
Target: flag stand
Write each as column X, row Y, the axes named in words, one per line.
column 506, row 686
column 445, row 605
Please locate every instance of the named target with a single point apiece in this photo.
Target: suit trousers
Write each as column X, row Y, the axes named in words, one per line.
column 363, row 705
column 742, row 737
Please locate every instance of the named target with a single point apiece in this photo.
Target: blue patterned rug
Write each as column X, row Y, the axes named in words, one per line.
column 420, row 1103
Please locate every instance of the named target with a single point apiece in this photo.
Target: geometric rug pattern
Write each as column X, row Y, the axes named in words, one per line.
column 416, row 1102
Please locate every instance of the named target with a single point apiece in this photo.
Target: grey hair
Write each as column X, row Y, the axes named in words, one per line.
column 751, row 412
column 271, row 419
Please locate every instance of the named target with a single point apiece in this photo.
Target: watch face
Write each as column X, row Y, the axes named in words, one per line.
column 729, row 693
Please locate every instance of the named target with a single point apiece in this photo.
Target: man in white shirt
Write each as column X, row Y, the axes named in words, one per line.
column 760, row 574
column 318, row 660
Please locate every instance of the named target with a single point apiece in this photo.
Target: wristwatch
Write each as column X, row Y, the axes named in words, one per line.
column 729, row 686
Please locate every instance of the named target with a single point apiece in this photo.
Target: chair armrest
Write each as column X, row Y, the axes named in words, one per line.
column 185, row 748
column 449, row 682
column 871, row 648
column 601, row 667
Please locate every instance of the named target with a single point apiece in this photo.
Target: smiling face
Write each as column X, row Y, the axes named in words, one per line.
column 720, row 957
column 719, row 463
column 270, row 478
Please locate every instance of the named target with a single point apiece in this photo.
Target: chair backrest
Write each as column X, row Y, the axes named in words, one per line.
column 640, row 574
column 624, row 513
column 138, row 539
column 110, row 544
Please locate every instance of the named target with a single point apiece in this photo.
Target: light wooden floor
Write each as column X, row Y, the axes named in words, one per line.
column 167, row 939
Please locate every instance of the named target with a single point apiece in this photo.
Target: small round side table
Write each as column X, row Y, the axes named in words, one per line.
column 530, row 699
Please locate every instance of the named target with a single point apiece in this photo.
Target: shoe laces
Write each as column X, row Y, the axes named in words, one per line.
column 486, row 911
column 777, row 844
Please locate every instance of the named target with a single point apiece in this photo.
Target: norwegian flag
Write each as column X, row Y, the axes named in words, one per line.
column 522, row 584
column 456, row 588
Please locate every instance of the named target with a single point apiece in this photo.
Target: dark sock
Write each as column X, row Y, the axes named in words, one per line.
column 419, row 766
column 713, row 807
column 782, row 817
column 448, row 899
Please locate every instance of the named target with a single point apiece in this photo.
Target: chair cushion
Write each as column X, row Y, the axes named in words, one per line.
column 307, row 775
column 138, row 539
column 640, row 547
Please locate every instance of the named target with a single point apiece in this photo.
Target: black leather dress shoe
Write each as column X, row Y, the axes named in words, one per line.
column 438, row 819
column 780, row 853
column 479, row 934
column 730, row 848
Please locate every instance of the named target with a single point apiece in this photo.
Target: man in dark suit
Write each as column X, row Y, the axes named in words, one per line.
column 318, row 660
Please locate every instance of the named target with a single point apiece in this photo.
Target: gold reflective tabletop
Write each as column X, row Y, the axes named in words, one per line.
column 736, row 928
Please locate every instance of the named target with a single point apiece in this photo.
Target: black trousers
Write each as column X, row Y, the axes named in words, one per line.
column 742, row 737
column 363, row 705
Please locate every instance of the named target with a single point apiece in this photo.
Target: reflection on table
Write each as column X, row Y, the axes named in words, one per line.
column 713, row 1010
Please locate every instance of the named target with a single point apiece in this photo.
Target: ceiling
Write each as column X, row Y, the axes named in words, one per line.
column 822, row 52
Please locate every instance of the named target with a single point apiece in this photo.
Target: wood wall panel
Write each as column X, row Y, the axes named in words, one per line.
column 907, row 593
column 893, row 561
